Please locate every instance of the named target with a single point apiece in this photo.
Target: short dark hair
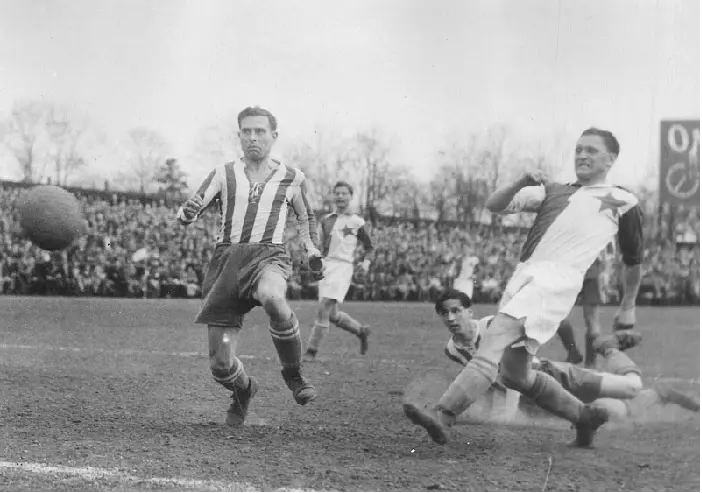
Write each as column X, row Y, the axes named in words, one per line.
column 258, row 111
column 610, row 141
column 452, row 294
column 342, row 183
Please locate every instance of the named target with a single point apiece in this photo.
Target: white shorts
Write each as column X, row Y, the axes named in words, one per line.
column 336, row 281
column 542, row 293
column 465, row 286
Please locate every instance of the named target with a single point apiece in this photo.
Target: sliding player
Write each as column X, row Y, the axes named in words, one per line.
column 619, row 387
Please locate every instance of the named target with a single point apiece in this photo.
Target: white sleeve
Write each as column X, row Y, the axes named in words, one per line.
column 528, row 199
column 208, row 190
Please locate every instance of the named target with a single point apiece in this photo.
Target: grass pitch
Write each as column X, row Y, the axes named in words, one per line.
column 104, row 394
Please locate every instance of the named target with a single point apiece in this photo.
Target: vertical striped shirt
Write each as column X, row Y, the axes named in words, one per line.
column 257, row 212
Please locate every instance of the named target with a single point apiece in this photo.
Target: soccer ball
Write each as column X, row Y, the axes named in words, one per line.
column 51, row 217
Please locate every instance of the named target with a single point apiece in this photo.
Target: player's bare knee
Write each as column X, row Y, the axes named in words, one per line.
column 324, row 311
column 271, row 295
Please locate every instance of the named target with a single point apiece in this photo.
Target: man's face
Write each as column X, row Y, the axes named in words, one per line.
column 456, row 317
column 256, row 137
column 592, row 159
column 342, row 198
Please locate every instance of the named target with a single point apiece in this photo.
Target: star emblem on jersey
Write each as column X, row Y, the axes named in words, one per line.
column 347, row 231
column 611, row 203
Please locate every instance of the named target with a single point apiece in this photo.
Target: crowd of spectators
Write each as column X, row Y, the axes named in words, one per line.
column 135, row 248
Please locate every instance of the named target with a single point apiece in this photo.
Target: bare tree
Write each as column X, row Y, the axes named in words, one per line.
column 24, row 131
column 70, row 138
column 398, row 193
column 371, row 158
column 146, row 151
column 216, row 144
column 326, row 159
column 463, row 179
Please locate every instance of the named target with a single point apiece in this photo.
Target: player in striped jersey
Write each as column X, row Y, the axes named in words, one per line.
column 618, row 386
column 250, row 266
column 573, row 223
column 341, row 232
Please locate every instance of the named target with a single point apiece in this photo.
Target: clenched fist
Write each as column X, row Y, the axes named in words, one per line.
column 316, row 263
column 192, row 206
column 533, row 178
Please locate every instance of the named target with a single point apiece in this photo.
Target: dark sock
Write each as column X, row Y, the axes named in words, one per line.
column 548, row 394
column 565, row 333
column 287, row 341
column 345, row 322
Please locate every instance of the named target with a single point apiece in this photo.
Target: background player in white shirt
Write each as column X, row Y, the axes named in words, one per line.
column 618, row 387
column 574, row 222
column 465, row 272
column 340, row 233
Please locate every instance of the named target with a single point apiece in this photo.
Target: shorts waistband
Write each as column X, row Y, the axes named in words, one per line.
column 279, row 246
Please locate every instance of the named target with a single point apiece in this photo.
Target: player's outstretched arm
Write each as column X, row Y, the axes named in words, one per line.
column 306, row 219
column 205, row 194
column 630, row 238
column 523, row 195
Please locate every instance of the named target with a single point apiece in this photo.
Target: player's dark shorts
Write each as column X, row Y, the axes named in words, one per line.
column 590, row 293
column 231, row 278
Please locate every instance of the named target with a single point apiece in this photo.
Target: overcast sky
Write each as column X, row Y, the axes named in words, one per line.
column 418, row 70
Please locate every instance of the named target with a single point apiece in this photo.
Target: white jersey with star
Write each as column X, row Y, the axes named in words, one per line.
column 340, row 234
column 574, row 223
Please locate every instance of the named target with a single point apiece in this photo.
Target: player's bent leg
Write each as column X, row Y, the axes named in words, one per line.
column 660, row 394
column 320, row 329
column 229, row 372
column 474, row 380
column 285, row 332
column 622, row 379
column 583, row 383
column 668, row 395
column 345, row 322
column 481, row 371
column 548, row 394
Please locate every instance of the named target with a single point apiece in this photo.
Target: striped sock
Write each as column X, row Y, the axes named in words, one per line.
column 233, row 378
column 287, row 341
column 318, row 332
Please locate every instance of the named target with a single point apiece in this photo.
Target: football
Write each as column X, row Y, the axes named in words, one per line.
column 51, row 217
